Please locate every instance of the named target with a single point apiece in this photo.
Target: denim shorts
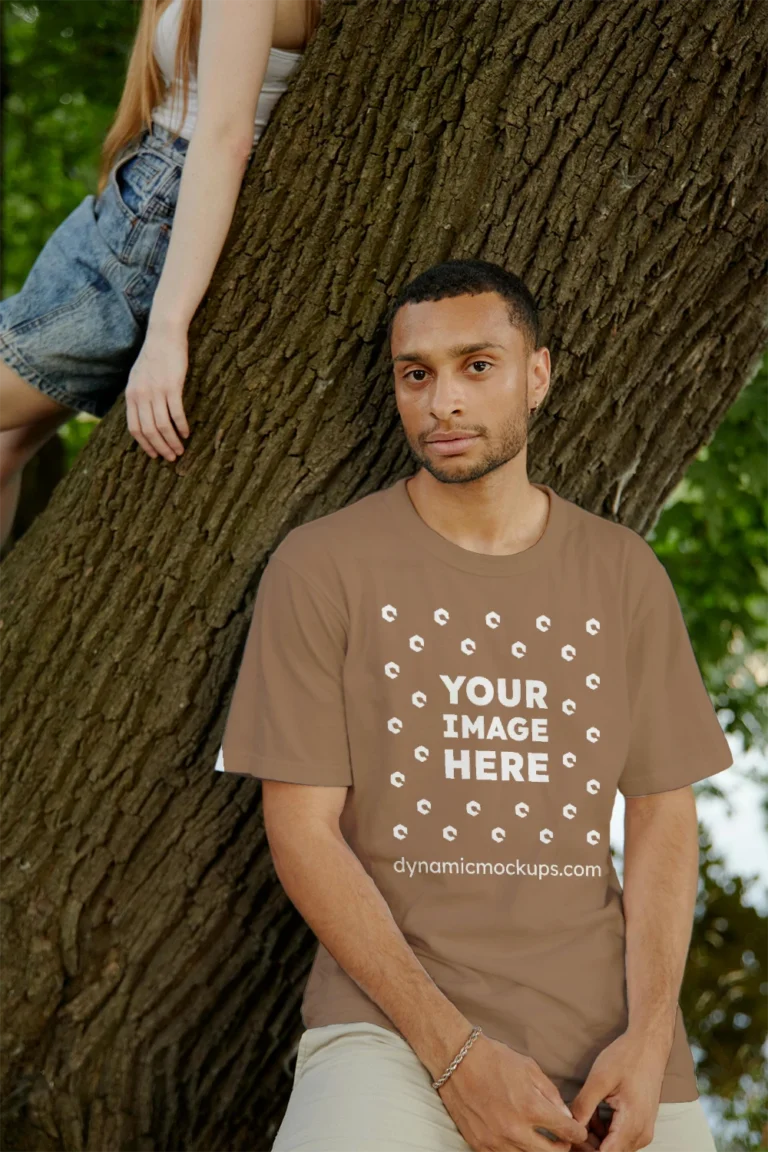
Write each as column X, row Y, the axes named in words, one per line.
column 78, row 323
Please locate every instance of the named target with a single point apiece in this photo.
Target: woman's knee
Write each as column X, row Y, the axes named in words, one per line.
column 22, row 406
column 19, row 445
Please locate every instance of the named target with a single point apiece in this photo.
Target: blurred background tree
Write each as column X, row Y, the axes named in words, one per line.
column 63, row 65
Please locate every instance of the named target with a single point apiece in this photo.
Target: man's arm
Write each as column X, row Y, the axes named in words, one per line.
column 340, row 902
column 661, row 865
column 660, row 878
column 497, row 1097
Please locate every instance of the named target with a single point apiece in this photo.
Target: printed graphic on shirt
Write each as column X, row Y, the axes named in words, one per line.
column 496, row 728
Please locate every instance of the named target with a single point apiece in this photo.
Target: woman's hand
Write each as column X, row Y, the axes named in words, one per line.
column 153, row 393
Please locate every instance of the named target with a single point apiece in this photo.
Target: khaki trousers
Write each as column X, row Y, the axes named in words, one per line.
column 361, row 1088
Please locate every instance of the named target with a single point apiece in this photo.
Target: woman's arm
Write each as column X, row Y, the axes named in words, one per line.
column 235, row 39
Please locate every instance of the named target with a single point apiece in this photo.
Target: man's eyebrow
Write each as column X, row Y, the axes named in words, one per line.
column 454, row 353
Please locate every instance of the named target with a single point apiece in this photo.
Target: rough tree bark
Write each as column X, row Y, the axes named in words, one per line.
column 613, row 155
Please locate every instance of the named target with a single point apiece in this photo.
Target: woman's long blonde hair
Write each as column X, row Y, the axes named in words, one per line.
column 145, row 85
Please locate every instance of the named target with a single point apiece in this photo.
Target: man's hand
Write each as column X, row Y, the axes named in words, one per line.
column 628, row 1076
column 499, row 1098
column 153, row 393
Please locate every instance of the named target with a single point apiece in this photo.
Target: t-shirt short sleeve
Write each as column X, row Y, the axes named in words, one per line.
column 287, row 719
column 675, row 736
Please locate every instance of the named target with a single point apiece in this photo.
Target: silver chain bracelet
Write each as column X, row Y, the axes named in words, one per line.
column 458, row 1058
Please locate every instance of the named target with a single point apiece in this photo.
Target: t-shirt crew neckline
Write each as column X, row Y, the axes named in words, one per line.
column 479, row 563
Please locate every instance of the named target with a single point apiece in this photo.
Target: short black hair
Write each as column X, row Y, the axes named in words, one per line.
column 460, row 277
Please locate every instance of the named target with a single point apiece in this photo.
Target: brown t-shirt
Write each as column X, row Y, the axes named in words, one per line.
column 482, row 710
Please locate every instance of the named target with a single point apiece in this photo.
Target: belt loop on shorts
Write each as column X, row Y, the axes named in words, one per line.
column 160, row 132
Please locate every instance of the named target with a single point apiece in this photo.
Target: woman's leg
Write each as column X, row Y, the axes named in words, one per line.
column 27, row 419
column 21, row 404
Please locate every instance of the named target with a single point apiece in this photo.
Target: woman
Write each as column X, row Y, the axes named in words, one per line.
column 109, row 300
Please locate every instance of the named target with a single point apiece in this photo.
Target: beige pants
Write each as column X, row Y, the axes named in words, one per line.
column 361, row 1088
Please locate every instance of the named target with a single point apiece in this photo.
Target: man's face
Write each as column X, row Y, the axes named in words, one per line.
column 461, row 366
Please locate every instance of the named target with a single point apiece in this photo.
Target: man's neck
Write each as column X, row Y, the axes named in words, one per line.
column 497, row 514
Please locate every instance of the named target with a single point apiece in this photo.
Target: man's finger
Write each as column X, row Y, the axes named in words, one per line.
column 563, row 1126
column 589, row 1145
column 622, row 1132
column 591, row 1093
column 544, row 1085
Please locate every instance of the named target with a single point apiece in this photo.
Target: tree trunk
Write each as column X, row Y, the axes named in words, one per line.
column 610, row 154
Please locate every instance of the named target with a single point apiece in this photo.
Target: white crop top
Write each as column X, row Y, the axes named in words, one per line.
column 280, row 64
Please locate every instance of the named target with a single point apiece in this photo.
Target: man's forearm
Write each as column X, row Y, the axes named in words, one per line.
column 348, row 914
column 661, row 858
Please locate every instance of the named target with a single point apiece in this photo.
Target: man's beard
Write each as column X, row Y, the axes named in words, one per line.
column 512, row 438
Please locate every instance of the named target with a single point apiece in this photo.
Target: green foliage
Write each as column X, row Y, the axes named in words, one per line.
column 731, row 932
column 64, row 67
column 63, row 73
column 75, row 433
column 712, row 537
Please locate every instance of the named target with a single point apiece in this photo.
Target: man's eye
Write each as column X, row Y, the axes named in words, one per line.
column 423, row 371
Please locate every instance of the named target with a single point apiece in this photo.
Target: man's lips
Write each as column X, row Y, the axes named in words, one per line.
column 451, row 443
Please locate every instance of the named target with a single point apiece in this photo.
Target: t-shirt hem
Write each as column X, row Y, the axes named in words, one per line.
column 288, row 771
column 676, row 1089
column 313, row 1017
column 653, row 787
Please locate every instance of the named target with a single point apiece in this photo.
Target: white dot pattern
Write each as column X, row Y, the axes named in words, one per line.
column 468, row 646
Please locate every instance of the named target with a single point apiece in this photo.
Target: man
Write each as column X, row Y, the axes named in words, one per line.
column 443, row 685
